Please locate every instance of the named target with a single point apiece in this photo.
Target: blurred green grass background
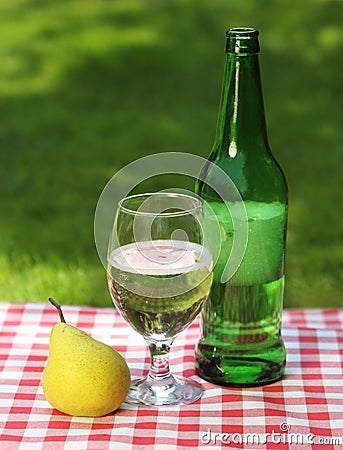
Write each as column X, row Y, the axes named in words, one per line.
column 89, row 86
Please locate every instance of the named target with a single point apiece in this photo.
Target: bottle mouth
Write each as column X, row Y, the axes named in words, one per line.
column 242, row 41
column 245, row 32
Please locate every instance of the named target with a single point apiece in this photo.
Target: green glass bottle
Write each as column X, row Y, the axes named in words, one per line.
column 241, row 343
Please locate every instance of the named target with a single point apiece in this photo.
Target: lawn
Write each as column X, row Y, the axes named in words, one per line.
column 88, row 86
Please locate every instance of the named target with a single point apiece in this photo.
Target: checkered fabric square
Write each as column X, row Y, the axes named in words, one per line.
column 303, row 411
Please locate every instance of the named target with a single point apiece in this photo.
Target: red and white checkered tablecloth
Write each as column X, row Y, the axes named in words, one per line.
column 306, row 407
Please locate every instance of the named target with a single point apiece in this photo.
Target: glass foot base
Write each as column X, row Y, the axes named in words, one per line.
column 172, row 390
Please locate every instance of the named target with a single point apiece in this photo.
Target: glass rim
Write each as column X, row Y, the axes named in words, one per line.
column 198, row 204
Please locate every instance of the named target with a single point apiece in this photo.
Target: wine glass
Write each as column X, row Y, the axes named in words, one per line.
column 159, row 275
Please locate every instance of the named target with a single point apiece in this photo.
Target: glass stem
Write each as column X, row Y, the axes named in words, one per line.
column 159, row 366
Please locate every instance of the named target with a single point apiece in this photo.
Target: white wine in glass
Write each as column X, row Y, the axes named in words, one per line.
column 159, row 275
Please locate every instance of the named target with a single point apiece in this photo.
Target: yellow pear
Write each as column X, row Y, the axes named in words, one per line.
column 83, row 377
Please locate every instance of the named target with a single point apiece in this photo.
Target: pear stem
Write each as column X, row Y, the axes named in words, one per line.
column 56, row 305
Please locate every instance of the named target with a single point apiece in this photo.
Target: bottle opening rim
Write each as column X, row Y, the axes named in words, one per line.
column 242, row 41
column 242, row 32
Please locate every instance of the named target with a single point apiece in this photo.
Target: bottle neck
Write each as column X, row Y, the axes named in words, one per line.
column 241, row 123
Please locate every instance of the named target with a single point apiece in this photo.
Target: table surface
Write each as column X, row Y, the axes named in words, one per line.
column 303, row 411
